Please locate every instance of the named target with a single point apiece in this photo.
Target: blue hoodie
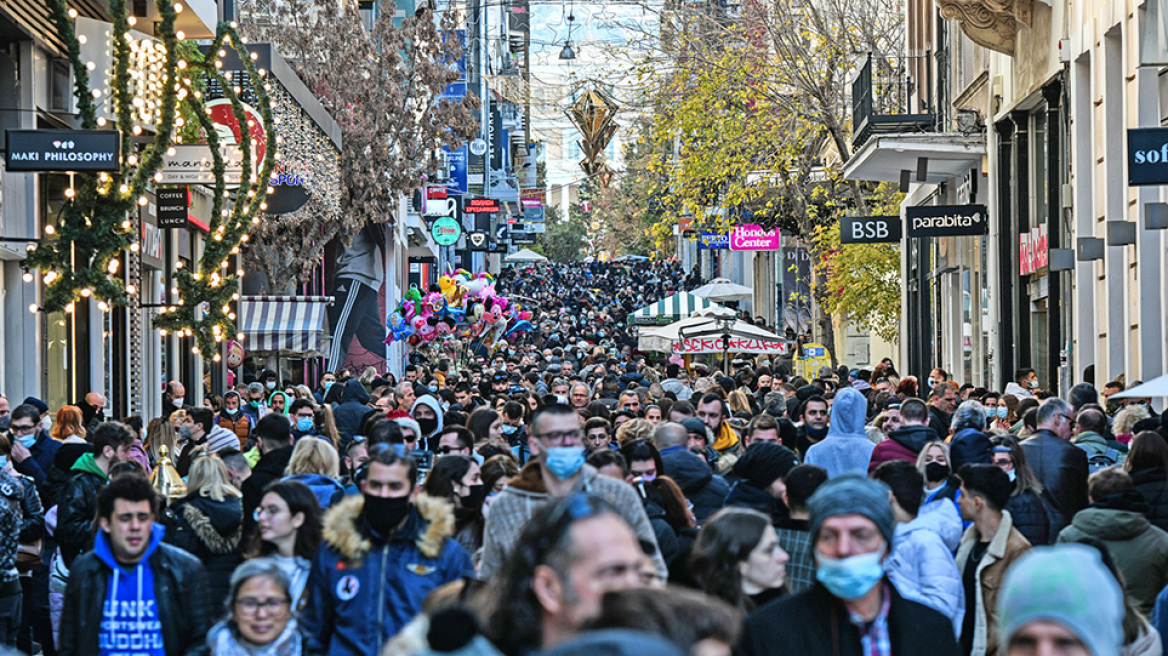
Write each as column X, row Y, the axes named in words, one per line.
column 846, row 447
column 130, row 623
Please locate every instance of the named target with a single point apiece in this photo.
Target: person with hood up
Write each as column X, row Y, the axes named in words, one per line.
column 132, row 588
column 704, row 489
column 351, row 410
column 761, row 470
column 278, row 403
column 846, row 448
column 427, row 411
column 906, row 442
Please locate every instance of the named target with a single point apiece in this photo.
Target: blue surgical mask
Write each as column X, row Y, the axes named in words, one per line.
column 990, row 410
column 328, row 384
column 508, row 429
column 1012, row 474
column 304, row 424
column 931, row 383
column 432, row 388
column 27, row 440
column 851, row 578
column 564, row 462
column 1002, row 412
column 3, row 462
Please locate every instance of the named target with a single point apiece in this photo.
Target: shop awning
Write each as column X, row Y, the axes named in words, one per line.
column 670, row 309
column 289, row 325
column 701, row 334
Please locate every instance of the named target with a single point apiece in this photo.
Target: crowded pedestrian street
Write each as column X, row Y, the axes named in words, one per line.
column 548, row 328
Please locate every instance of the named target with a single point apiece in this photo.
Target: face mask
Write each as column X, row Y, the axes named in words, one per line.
column 561, row 399
column 178, row 401
column 271, row 384
column 990, row 411
column 3, row 462
column 1002, row 412
column 254, row 404
column 231, row 412
column 327, row 385
column 564, row 461
column 304, row 424
column 26, row 440
column 47, row 422
column 5, row 422
column 184, row 432
column 649, row 478
column 385, row 514
column 508, row 429
column 474, row 500
column 935, row 472
column 1012, row 474
column 432, row 388
column 817, row 434
column 931, row 383
column 428, row 425
column 850, row 578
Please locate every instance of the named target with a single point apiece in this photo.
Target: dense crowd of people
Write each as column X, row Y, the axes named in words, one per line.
column 567, row 494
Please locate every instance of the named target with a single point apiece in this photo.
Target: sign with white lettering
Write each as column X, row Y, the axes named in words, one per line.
column 869, row 229
column 947, row 220
column 64, row 150
column 736, row 345
column 1033, row 250
column 1147, row 156
column 173, row 203
column 754, row 237
column 714, row 241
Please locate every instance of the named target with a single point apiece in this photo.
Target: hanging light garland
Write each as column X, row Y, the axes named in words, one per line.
column 79, row 257
column 204, row 309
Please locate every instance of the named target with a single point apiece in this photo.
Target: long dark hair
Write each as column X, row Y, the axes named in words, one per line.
column 725, row 541
column 1148, row 451
column 300, row 499
column 448, row 471
column 479, row 423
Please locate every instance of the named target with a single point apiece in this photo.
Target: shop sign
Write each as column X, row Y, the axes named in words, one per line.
column 445, row 231
column 947, row 220
column 685, row 224
column 441, row 207
column 64, row 150
column 1147, row 156
column 733, row 345
column 869, row 229
column 478, row 241
column 754, row 237
column 173, row 206
column 289, row 190
column 714, row 241
column 1033, row 250
column 222, row 114
column 480, row 206
column 522, row 238
column 193, row 164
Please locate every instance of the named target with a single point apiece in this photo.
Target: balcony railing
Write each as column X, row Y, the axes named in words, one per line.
column 884, row 93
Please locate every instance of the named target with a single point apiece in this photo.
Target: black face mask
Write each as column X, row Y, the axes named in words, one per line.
column 935, row 472
column 384, row 514
column 817, row 434
column 428, row 425
column 474, row 500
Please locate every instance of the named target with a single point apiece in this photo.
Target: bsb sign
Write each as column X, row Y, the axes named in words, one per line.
column 869, row 229
column 1147, row 156
column 64, row 150
column 947, row 220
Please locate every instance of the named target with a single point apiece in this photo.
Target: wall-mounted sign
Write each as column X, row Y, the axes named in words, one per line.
column 754, row 237
column 441, row 207
column 289, row 192
column 685, row 224
column 193, row 164
column 1147, row 156
column 478, row 241
column 714, row 241
column 173, row 206
column 947, row 220
column 480, row 206
column 869, row 229
column 64, row 150
column 445, row 231
column 227, row 127
column 1033, row 250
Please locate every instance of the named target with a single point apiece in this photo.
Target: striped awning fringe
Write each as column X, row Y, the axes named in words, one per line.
column 292, row 325
column 670, row 309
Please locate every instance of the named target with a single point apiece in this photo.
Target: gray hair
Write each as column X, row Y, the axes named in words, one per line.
column 970, row 414
column 1051, row 408
column 250, row 569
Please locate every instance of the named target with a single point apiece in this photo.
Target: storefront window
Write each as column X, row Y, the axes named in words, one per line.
column 59, row 342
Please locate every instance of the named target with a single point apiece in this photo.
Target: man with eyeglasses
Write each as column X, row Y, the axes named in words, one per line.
column 32, row 449
column 133, row 594
column 555, row 471
column 1060, row 466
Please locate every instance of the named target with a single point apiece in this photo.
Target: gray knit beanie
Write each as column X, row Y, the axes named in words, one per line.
column 853, row 494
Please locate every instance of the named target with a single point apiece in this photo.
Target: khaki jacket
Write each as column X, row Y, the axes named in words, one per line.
column 1006, row 546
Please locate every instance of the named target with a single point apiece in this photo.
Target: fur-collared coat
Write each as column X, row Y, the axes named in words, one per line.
column 210, row 531
column 363, row 589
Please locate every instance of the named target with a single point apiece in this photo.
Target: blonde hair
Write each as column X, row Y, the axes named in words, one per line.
column 328, row 425
column 1126, row 419
column 925, row 453
column 210, row 477
column 314, row 456
column 68, row 422
column 159, row 433
column 634, row 429
column 738, row 402
column 177, row 417
column 302, row 392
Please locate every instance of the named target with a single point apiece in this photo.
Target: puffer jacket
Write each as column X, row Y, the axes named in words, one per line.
column 705, row 490
column 363, row 590
column 902, row 444
column 210, row 531
column 922, row 569
column 178, row 599
column 1139, row 550
column 1006, row 546
column 1062, row 469
column 846, row 449
column 1033, row 517
column 11, row 519
column 325, row 488
column 240, row 424
column 76, row 508
column 1152, row 484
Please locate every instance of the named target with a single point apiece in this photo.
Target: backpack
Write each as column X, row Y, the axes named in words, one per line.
column 1096, row 461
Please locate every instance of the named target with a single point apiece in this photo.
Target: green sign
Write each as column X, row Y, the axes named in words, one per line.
column 445, row 231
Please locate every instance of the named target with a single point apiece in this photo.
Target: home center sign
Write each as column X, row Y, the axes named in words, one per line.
column 445, row 231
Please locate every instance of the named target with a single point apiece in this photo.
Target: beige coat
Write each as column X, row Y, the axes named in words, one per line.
column 1006, row 546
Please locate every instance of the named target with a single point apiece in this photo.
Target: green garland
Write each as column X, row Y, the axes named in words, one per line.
column 204, row 311
column 79, row 256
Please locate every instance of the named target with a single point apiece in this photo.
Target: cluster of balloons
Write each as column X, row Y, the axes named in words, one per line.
column 461, row 305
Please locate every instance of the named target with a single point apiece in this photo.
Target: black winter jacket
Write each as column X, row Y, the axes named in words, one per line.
column 76, row 508
column 704, row 489
column 1033, row 515
column 804, row 624
column 745, row 495
column 210, row 531
column 270, row 467
column 1152, row 484
column 178, row 596
column 1062, row 469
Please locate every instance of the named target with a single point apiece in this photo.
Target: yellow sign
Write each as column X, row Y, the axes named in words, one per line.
column 813, row 357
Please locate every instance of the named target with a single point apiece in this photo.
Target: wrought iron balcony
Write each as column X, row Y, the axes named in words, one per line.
column 884, row 94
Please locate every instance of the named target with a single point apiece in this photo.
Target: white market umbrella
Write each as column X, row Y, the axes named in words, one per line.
column 701, row 334
column 525, row 255
column 721, row 290
column 1155, row 388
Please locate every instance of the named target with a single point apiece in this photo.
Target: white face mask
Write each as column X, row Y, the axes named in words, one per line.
column 178, row 401
column 47, row 423
column 271, row 384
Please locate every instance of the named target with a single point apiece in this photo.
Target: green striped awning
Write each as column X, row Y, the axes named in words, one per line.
column 669, row 309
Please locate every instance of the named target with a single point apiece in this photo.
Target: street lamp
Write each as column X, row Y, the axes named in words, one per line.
column 725, row 323
column 568, row 54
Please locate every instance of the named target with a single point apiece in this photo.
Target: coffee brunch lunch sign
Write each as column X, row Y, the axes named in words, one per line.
column 947, row 220
column 754, row 237
column 63, row 150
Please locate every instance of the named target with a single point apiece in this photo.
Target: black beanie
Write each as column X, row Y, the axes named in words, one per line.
column 764, row 462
